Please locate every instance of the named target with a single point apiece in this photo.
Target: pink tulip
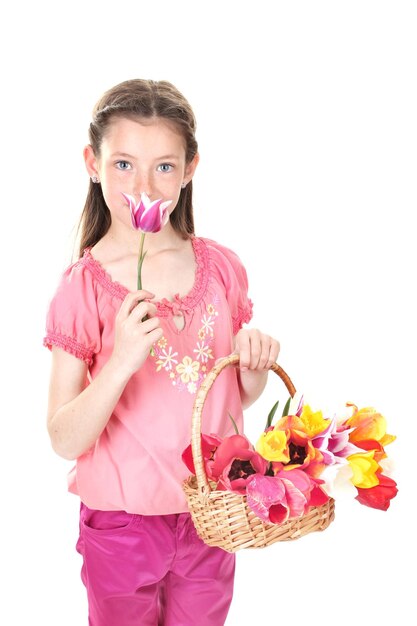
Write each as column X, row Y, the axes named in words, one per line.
column 235, row 460
column 275, row 499
column 264, row 492
column 285, row 496
column 147, row 216
column 334, row 443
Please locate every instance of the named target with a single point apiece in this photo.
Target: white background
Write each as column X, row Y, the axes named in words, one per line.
column 307, row 133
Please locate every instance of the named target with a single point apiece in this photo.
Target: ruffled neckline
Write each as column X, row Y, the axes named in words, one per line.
column 165, row 307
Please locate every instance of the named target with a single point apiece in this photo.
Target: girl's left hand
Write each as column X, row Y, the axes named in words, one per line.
column 256, row 350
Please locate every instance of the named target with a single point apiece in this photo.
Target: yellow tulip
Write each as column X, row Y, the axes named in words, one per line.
column 364, row 468
column 314, row 423
column 272, row 446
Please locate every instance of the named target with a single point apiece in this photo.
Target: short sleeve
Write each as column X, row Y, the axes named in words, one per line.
column 72, row 321
column 231, row 272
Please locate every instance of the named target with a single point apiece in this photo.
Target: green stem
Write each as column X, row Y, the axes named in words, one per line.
column 140, row 259
column 140, row 262
column 234, row 424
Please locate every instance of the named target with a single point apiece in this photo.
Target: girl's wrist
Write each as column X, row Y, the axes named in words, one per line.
column 251, row 385
column 117, row 369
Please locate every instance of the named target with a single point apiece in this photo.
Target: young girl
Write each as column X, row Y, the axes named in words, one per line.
column 126, row 365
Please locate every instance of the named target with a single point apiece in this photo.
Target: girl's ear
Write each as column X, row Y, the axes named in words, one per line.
column 90, row 161
column 190, row 168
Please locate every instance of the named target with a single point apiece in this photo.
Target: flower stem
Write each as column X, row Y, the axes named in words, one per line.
column 234, row 424
column 140, row 262
column 140, row 259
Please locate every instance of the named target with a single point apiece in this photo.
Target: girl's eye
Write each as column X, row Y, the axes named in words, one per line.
column 165, row 167
column 123, row 165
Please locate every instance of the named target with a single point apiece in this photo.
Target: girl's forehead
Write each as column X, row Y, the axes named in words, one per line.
column 151, row 138
column 155, row 129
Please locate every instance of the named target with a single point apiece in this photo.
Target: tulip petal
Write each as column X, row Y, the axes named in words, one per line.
column 279, row 513
column 227, row 450
column 364, row 469
column 296, row 500
column 209, row 445
column 318, row 496
column 380, row 496
column 166, row 204
column 153, row 218
column 135, row 210
column 262, row 492
column 298, row 478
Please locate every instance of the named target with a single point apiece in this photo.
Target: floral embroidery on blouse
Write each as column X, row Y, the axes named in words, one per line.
column 187, row 372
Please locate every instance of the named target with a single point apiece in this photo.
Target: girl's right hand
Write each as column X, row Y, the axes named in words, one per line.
column 135, row 335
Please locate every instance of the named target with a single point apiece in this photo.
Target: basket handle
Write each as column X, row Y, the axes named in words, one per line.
column 233, row 359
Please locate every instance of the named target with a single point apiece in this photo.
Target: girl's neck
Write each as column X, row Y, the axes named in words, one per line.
column 116, row 243
column 169, row 267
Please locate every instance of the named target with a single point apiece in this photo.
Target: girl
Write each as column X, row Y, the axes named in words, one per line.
column 126, row 364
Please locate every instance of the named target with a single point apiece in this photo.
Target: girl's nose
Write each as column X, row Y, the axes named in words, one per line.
column 143, row 184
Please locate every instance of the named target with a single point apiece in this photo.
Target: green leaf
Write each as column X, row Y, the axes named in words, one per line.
column 234, row 424
column 286, row 407
column 271, row 415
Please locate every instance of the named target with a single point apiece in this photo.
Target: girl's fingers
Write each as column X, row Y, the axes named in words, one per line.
column 256, row 347
column 141, row 310
column 265, row 354
column 155, row 335
column 256, row 350
column 242, row 348
column 150, row 324
column 274, row 352
column 131, row 301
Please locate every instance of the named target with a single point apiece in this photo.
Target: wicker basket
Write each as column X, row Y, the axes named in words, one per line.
column 223, row 519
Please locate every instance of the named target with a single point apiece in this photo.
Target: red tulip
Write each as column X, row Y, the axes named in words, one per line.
column 209, row 445
column 380, row 496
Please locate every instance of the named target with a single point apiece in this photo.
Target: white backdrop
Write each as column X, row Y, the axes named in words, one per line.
column 307, row 133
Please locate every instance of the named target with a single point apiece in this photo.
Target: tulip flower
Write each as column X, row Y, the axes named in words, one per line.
column 272, row 445
column 334, row 443
column 314, row 423
column 302, row 453
column 235, row 460
column 209, row 445
column 148, row 217
column 365, row 469
column 338, row 481
column 380, row 496
column 287, row 495
column 368, row 424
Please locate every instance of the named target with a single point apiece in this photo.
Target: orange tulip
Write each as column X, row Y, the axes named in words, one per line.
column 367, row 424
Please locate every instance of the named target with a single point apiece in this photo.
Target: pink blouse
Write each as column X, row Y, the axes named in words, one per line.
column 135, row 465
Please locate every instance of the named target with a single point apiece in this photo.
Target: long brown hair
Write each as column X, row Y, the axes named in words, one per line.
column 138, row 99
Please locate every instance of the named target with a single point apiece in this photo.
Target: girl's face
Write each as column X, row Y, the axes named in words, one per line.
column 140, row 156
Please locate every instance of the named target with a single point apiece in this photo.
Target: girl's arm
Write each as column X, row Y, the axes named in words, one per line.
column 257, row 352
column 77, row 411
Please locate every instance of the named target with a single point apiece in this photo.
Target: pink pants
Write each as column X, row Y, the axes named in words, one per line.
column 152, row 570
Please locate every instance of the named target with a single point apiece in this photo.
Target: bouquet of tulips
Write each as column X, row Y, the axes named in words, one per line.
column 302, row 461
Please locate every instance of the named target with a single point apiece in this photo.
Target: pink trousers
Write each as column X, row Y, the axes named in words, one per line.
column 152, row 571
